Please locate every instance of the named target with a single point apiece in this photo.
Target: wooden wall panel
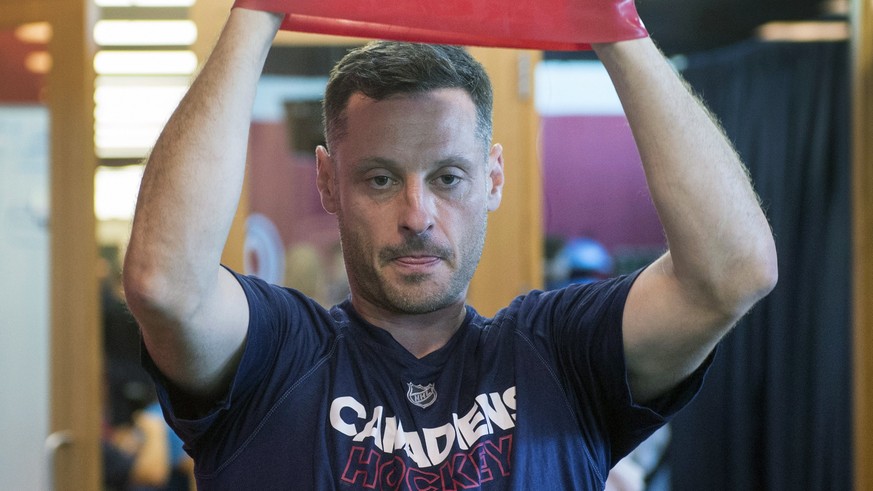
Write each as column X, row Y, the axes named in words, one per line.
column 513, row 259
column 862, row 181
column 77, row 379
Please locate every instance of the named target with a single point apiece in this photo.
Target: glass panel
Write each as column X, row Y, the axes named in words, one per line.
column 24, row 256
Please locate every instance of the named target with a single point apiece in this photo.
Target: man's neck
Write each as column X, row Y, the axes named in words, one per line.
column 420, row 334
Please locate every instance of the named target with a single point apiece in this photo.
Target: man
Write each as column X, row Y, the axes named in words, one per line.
column 403, row 386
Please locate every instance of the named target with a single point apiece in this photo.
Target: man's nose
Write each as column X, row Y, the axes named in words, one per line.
column 417, row 214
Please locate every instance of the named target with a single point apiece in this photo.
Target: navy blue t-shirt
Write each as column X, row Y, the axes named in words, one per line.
column 534, row 398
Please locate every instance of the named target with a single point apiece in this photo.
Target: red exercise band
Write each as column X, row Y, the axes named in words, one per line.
column 532, row 24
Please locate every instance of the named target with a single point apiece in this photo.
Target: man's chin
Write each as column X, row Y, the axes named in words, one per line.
column 414, row 280
column 420, row 301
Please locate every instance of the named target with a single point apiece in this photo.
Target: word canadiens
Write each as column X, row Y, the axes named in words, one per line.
column 471, row 449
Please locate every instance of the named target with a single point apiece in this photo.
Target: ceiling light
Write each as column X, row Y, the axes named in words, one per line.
column 145, row 3
column 39, row 62
column 131, row 111
column 115, row 191
column 34, row 32
column 145, row 62
column 145, row 33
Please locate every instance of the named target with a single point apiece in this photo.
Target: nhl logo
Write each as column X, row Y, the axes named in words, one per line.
column 421, row 395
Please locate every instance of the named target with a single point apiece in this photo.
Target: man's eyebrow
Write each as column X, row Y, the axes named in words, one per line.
column 455, row 160
column 365, row 163
column 375, row 162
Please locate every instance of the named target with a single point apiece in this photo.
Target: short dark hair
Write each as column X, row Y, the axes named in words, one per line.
column 382, row 69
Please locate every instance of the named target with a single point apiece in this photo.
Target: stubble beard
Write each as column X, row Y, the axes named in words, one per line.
column 413, row 293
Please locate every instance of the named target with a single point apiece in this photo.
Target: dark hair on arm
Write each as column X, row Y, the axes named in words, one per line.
column 383, row 69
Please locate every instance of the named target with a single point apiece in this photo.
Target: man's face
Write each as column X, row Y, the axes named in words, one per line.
column 411, row 186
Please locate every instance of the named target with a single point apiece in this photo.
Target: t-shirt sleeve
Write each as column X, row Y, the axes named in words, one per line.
column 582, row 326
column 283, row 323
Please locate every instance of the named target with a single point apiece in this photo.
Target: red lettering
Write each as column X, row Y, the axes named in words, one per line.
column 463, row 470
column 358, row 468
column 391, row 473
column 487, row 452
column 419, row 480
column 459, row 471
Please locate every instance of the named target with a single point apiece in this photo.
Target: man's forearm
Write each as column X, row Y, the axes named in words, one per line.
column 193, row 316
column 194, row 175
column 720, row 241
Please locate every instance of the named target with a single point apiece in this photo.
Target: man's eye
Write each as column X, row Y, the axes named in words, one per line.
column 381, row 181
column 448, row 180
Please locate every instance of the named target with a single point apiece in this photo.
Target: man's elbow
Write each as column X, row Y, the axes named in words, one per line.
column 766, row 269
column 142, row 292
column 153, row 298
column 756, row 276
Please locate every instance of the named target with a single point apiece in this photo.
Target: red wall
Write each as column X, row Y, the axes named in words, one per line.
column 594, row 182
column 282, row 187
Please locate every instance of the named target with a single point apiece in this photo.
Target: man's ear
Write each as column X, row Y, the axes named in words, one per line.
column 495, row 177
column 326, row 180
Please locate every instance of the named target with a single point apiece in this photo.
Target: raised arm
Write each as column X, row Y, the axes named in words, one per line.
column 721, row 257
column 193, row 314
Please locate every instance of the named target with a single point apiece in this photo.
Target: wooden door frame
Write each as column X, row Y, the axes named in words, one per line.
column 76, row 354
column 862, row 240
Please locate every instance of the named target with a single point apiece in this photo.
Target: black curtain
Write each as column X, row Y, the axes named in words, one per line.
column 774, row 413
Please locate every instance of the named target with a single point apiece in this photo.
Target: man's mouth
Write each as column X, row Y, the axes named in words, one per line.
column 418, row 260
column 416, row 252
